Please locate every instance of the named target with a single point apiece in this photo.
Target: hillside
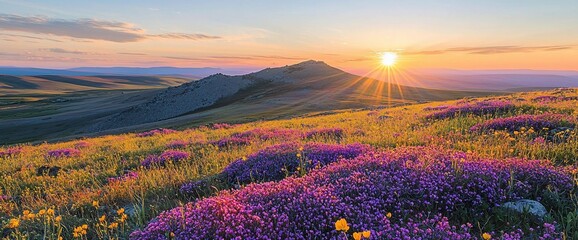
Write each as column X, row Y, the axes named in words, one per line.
column 13, row 85
column 306, row 87
column 447, row 170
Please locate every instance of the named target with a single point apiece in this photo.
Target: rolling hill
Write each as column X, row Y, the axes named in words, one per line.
column 58, row 84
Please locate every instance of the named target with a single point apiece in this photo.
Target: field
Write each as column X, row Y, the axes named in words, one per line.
column 440, row 170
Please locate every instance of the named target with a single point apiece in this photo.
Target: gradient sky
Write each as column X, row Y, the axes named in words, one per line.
column 347, row 34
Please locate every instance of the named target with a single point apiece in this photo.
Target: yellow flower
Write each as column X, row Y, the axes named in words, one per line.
column 486, row 236
column 341, row 225
column 25, row 212
column 388, row 215
column 300, row 148
column 102, row 219
column 366, row 234
column 50, row 212
column 244, row 158
column 113, row 225
column 58, row 219
column 95, row 204
column 13, row 223
column 84, row 227
column 41, row 212
column 298, row 155
column 120, row 211
column 357, row 235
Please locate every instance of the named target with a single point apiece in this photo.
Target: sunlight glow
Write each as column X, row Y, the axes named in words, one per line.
column 388, row 58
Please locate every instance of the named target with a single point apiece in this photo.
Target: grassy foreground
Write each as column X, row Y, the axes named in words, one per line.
column 112, row 186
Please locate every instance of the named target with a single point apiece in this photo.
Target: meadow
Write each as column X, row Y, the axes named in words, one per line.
column 439, row 170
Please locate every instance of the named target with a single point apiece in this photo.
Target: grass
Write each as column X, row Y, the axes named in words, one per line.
column 81, row 192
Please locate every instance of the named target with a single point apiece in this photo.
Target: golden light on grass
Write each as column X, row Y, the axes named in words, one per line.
column 388, row 59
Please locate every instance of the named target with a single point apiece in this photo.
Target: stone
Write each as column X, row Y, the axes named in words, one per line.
column 526, row 205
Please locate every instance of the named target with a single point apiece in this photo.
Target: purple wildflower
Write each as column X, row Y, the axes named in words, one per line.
column 66, row 152
column 10, row 152
column 477, row 108
column 161, row 160
column 421, row 187
column 156, row 132
column 125, row 177
column 177, row 144
column 537, row 122
column 336, row 133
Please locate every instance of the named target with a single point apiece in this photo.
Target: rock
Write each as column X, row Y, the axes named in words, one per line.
column 47, row 170
column 526, row 205
column 384, row 117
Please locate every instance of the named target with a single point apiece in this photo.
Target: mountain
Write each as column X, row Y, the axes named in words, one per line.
column 139, row 71
column 491, row 80
column 306, row 87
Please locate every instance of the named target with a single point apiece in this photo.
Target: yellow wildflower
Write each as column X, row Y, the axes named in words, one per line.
column 298, row 155
column 120, row 211
column 388, row 215
column 58, row 219
column 102, row 219
column 50, row 212
column 41, row 212
column 341, row 225
column 84, row 227
column 366, row 234
column 13, row 223
column 95, row 204
column 357, row 235
column 113, row 225
column 486, row 236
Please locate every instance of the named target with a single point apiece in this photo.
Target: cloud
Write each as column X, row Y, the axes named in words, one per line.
column 60, row 50
column 186, row 36
column 492, row 49
column 87, row 29
column 27, row 37
column 134, row 54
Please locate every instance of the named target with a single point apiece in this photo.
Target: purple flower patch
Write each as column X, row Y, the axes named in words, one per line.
column 477, row 108
column 405, row 194
column 66, row 152
column 537, row 122
column 161, row 160
column 336, row 133
column 154, row 132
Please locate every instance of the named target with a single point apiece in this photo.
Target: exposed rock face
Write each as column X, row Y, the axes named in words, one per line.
column 179, row 100
column 526, row 205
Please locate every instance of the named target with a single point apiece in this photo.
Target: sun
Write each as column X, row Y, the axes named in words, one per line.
column 388, row 59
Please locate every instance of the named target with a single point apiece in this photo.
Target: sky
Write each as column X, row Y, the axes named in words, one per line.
column 452, row 34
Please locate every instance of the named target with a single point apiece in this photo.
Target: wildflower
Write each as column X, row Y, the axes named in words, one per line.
column 120, row 211
column 388, row 215
column 13, row 223
column 41, row 212
column 341, row 225
column 486, row 236
column 95, row 204
column 113, row 225
column 366, row 234
column 298, row 155
column 58, row 219
column 357, row 235
column 50, row 212
column 123, row 217
column 102, row 219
